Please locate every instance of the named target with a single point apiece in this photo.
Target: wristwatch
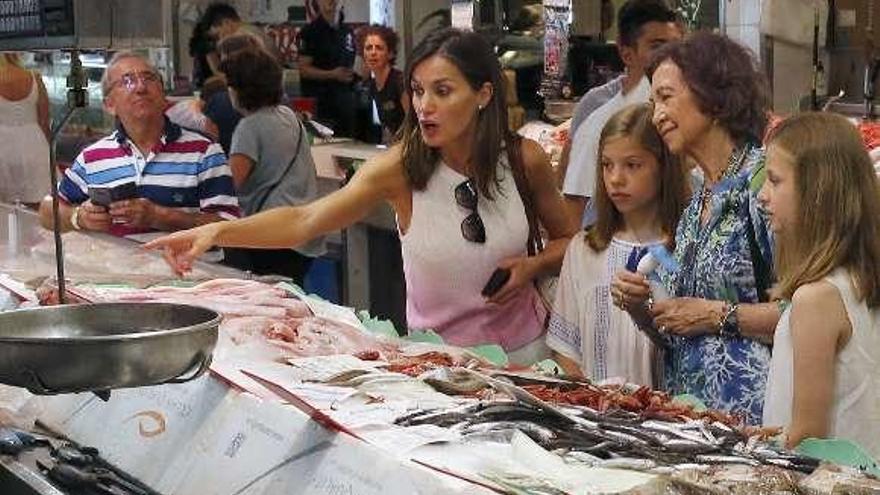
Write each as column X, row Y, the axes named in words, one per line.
column 729, row 326
column 74, row 219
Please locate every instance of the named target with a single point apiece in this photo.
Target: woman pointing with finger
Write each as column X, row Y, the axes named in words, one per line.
column 461, row 212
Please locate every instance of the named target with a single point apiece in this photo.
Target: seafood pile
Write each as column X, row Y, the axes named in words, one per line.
column 646, row 402
column 423, row 363
column 611, row 439
column 642, row 431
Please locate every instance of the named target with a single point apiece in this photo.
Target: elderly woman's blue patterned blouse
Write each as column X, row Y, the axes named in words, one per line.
column 716, row 262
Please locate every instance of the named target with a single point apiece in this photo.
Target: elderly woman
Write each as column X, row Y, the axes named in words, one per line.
column 710, row 105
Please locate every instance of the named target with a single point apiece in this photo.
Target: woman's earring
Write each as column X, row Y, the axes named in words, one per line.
column 479, row 108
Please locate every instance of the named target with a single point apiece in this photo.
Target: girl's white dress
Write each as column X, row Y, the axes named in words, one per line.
column 855, row 410
column 586, row 326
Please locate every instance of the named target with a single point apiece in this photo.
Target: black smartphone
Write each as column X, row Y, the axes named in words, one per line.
column 499, row 277
column 103, row 195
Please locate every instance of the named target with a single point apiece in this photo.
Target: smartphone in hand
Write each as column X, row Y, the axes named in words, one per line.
column 499, row 277
column 103, row 195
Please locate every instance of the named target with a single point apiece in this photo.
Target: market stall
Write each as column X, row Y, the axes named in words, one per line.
column 305, row 397
column 300, row 395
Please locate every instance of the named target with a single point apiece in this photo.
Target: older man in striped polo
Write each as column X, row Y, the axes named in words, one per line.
column 180, row 178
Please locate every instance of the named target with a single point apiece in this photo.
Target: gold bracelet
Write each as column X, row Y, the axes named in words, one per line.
column 730, row 322
column 74, row 219
column 719, row 325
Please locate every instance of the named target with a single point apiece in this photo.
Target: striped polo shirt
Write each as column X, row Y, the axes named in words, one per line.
column 185, row 170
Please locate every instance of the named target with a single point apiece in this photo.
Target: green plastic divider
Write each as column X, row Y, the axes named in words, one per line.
column 491, row 352
column 690, row 400
column 839, row 451
column 548, row 366
column 426, row 336
column 377, row 326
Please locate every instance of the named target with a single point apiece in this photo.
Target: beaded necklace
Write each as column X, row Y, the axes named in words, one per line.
column 734, row 164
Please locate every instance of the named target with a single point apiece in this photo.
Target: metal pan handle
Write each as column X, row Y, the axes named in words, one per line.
column 201, row 366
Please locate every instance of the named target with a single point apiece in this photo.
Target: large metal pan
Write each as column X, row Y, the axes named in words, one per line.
column 98, row 347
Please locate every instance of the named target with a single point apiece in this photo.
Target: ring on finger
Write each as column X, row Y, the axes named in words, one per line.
column 650, row 303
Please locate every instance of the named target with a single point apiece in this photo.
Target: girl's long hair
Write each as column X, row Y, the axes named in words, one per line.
column 10, row 59
column 635, row 123
column 474, row 57
column 838, row 224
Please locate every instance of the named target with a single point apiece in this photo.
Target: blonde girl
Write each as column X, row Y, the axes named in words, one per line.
column 639, row 197
column 824, row 205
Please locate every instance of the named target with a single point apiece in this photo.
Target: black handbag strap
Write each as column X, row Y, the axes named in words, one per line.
column 535, row 243
column 760, row 267
column 271, row 189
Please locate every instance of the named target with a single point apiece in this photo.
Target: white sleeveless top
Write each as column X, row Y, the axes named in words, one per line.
column 855, row 414
column 24, row 151
column 445, row 273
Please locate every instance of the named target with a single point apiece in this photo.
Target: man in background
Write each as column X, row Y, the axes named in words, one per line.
column 176, row 179
column 223, row 21
column 643, row 26
column 326, row 57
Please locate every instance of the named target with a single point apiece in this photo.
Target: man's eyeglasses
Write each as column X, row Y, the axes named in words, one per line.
column 130, row 80
column 472, row 228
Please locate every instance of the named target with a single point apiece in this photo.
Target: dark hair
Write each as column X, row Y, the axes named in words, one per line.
column 218, row 12
column 386, row 33
column 200, row 42
column 256, row 77
column 635, row 123
column 636, row 13
column 474, row 57
column 237, row 42
column 212, row 86
column 723, row 77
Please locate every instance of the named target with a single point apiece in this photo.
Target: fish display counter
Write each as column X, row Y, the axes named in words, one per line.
column 27, row 253
column 305, row 396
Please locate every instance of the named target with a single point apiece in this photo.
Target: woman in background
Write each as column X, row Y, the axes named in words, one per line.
column 24, row 133
column 387, row 90
column 710, row 106
column 270, row 158
column 218, row 107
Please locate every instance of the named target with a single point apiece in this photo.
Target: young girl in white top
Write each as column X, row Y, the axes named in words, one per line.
column 639, row 197
column 824, row 205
